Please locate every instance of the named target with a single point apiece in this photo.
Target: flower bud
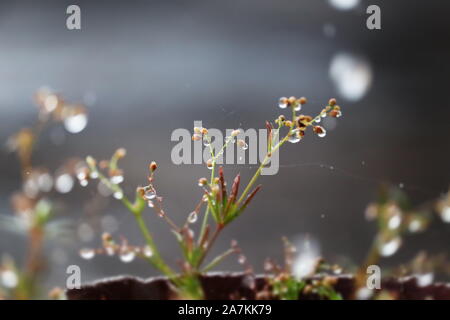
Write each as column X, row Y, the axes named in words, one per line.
column 121, row 152
column 152, row 167
column 234, row 133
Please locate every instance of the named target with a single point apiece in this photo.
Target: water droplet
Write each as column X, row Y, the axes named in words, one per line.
column 318, row 119
column 298, row 107
column 76, row 123
column 344, row 4
column 295, row 136
column 116, row 179
column 118, row 195
column 241, row 259
column 50, row 102
column 249, row 282
column 31, row 187
column 268, row 266
column 415, row 225
column 9, row 279
column 282, row 103
column 445, row 214
column 206, row 142
column 64, row 183
column 242, row 144
column 351, row 75
column 93, row 174
column 84, row 182
column 395, row 222
column 109, row 250
column 87, row 253
column 364, row 294
column 127, row 255
column 322, row 134
column 390, row 247
column 425, row 279
column 147, row 252
column 192, row 218
column 401, row 185
column 150, row 204
column 45, row 182
column 150, row 194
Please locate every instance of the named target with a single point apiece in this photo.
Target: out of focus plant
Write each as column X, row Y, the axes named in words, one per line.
column 34, row 214
column 397, row 218
column 222, row 204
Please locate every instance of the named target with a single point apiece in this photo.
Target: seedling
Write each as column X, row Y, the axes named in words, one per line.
column 221, row 205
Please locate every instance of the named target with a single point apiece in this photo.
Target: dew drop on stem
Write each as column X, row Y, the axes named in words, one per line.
column 193, row 216
column 147, row 252
column 118, row 195
column 390, row 247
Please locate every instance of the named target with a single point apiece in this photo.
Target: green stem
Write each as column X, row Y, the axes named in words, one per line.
column 217, row 260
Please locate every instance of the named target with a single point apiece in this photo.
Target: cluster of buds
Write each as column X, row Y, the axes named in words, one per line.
column 123, row 250
column 199, row 133
column 300, row 123
column 292, row 102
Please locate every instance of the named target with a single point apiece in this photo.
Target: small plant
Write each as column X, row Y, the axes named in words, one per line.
column 35, row 216
column 221, row 205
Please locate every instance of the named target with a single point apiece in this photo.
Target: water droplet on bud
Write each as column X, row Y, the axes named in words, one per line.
column 116, row 179
column 76, row 123
column 283, row 102
column 127, row 255
column 445, row 214
column 87, row 253
column 206, row 142
column 390, row 247
column 295, row 136
column 149, row 194
column 242, row 144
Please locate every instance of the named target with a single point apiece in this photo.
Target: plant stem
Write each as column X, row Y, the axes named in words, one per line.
column 210, row 244
column 218, row 259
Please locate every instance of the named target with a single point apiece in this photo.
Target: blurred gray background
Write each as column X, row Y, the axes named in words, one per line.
column 145, row 68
